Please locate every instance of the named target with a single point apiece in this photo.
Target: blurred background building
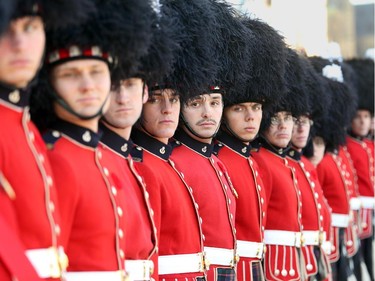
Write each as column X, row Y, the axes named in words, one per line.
column 311, row 25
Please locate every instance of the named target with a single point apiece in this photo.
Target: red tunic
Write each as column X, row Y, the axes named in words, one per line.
column 214, row 193
column 92, row 205
column 284, row 215
column 176, row 213
column 351, row 181
column 24, row 164
column 250, row 212
column 332, row 179
column 363, row 161
column 140, row 244
column 13, row 261
column 316, row 214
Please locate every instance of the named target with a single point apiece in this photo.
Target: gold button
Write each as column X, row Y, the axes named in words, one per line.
column 31, row 136
column 119, row 211
column 121, row 233
column 57, row 229
column 114, row 190
column 49, row 181
column 122, row 254
column 106, row 172
column 51, row 206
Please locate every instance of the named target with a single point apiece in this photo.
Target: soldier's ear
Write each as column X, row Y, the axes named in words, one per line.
column 145, row 93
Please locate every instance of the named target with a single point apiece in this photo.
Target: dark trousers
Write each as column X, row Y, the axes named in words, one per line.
column 368, row 255
column 341, row 269
column 357, row 260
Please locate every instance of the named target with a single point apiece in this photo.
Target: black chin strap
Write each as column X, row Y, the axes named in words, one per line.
column 66, row 106
column 195, row 133
column 234, row 134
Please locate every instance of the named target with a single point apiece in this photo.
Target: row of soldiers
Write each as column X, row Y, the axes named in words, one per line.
column 178, row 140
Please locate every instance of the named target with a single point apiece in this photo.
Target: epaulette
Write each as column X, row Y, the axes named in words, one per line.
column 137, row 153
column 51, row 137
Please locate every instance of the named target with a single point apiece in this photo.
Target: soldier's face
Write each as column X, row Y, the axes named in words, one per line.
column 319, row 149
column 160, row 114
column 301, row 131
column 361, row 123
column 280, row 133
column 203, row 115
column 83, row 84
column 244, row 119
column 126, row 103
column 21, row 51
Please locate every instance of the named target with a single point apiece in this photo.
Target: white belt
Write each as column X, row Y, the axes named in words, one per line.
column 220, row 256
column 340, row 220
column 313, row 237
column 355, row 203
column 139, row 269
column 184, row 263
column 327, row 247
column 282, row 237
column 367, row 202
column 95, row 276
column 48, row 262
column 249, row 249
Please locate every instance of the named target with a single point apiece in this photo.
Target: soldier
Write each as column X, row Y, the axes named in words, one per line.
column 30, row 215
column 180, row 251
column 282, row 235
column 176, row 215
column 316, row 214
column 77, row 80
column 241, row 120
column 192, row 152
column 124, row 110
column 362, row 154
column 210, row 183
column 333, row 174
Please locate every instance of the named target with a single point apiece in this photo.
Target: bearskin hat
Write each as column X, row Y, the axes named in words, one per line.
column 197, row 63
column 364, row 72
column 166, row 43
column 265, row 67
column 316, row 88
column 6, row 7
column 295, row 99
column 234, row 48
column 119, row 30
column 56, row 13
column 333, row 127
